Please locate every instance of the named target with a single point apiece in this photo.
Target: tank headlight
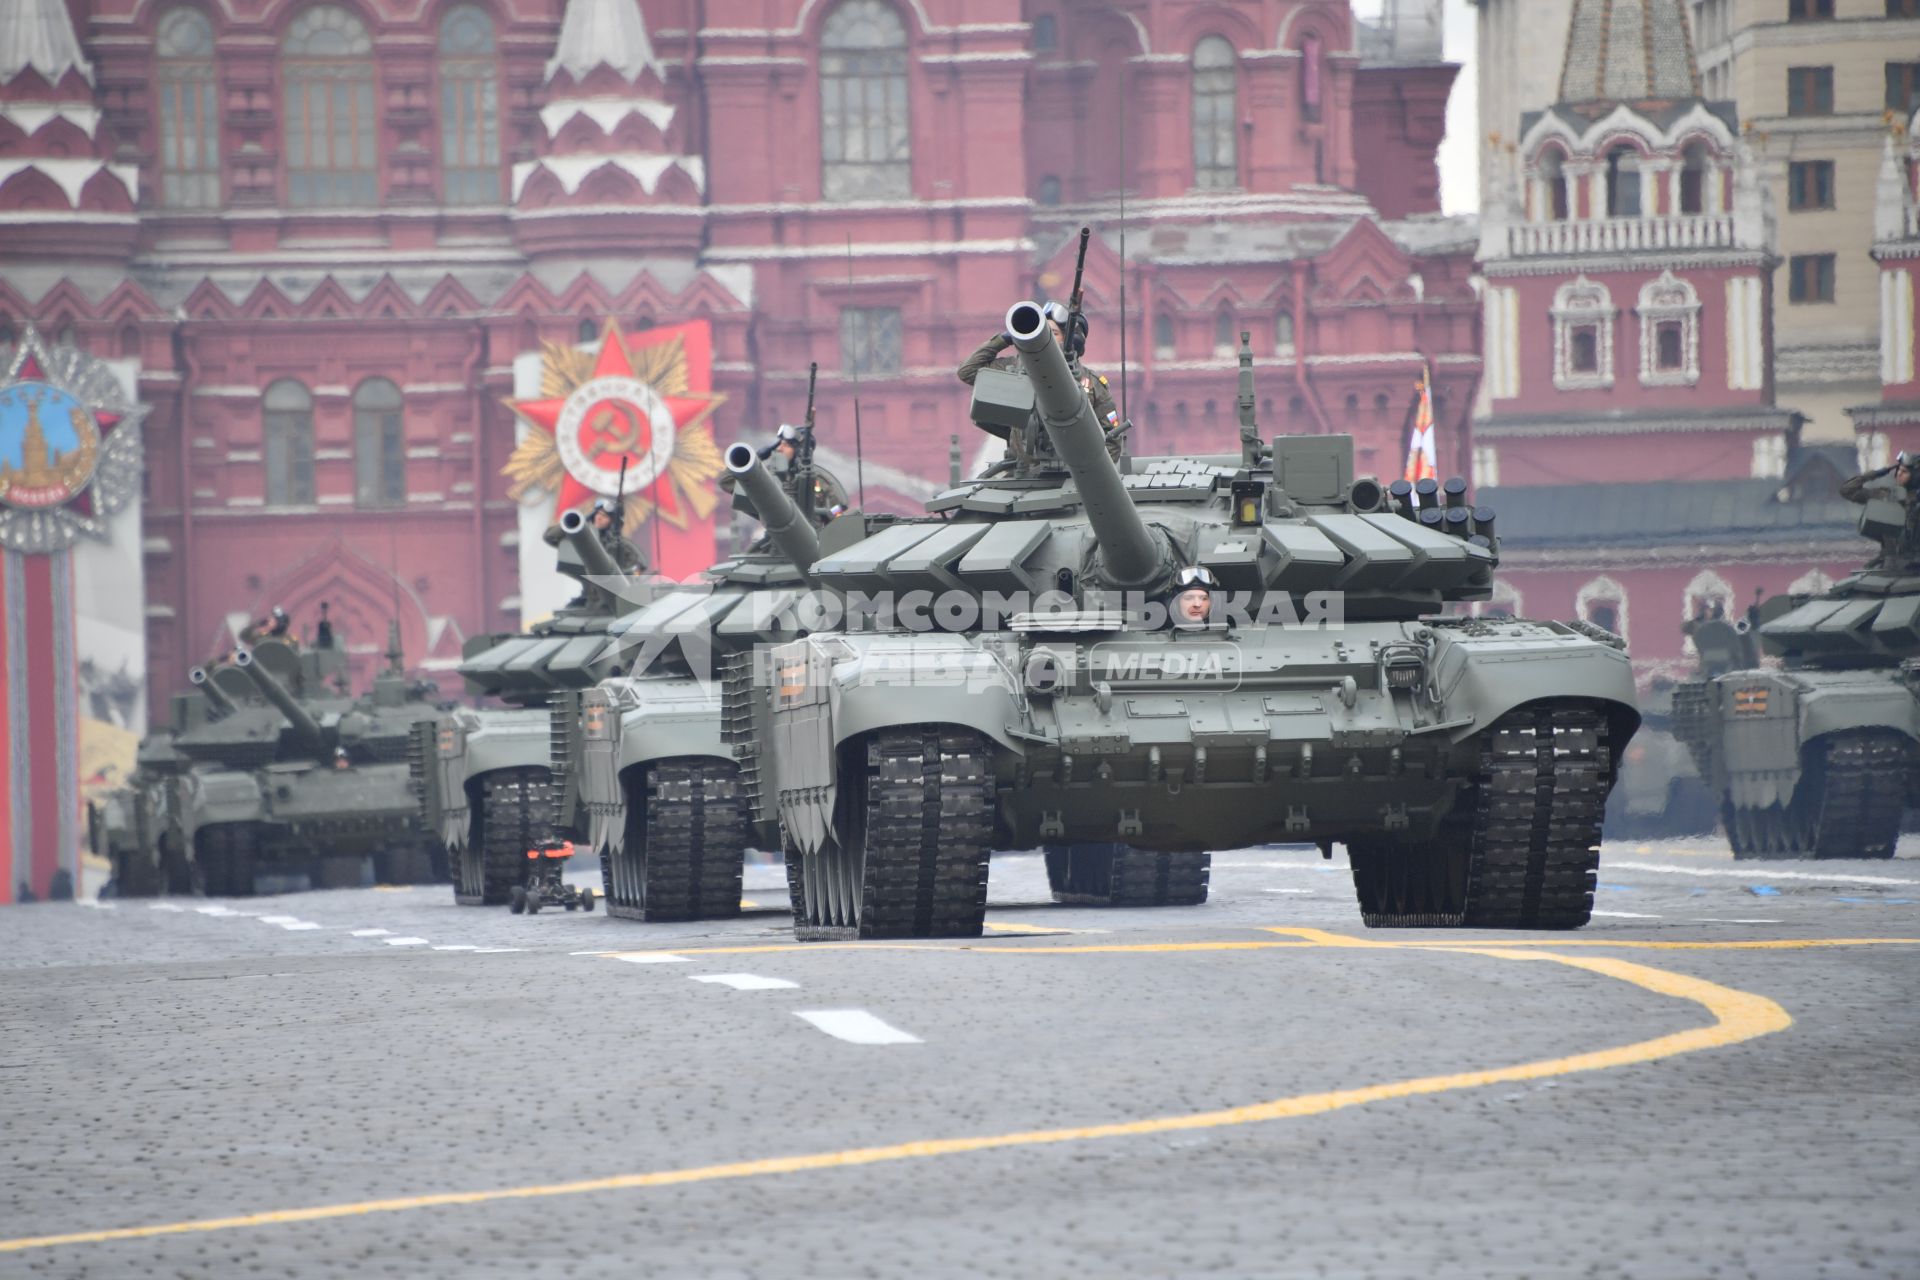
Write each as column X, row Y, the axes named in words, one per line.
column 1405, row 675
column 1044, row 672
column 1247, row 496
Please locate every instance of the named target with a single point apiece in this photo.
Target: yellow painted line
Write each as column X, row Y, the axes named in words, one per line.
column 1737, row 1016
column 748, row 904
column 1024, row 930
column 394, row 888
column 1319, row 938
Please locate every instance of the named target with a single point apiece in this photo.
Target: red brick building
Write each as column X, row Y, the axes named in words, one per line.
column 1629, row 436
column 325, row 231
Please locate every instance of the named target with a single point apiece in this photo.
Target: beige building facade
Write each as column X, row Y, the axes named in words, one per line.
column 1521, row 45
column 1819, row 85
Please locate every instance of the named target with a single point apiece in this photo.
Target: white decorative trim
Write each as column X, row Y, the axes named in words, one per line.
column 1669, row 299
column 1746, row 348
column 1603, row 588
column 1577, row 304
column 1706, row 587
column 1896, row 327
column 1769, row 456
column 1502, row 305
column 1810, row 583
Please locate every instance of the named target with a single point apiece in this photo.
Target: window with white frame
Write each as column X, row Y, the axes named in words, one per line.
column 1603, row 602
column 1486, row 467
column 1874, row 450
column 1810, row 583
column 1504, row 602
column 1583, row 315
column 1769, row 456
column 1669, row 332
column 1708, row 596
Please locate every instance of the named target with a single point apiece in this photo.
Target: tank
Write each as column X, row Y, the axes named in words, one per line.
column 666, row 752
column 1043, row 701
column 1804, row 720
column 1660, row 792
column 484, row 776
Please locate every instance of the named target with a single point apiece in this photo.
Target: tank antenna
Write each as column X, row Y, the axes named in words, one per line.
column 859, row 450
column 1126, row 419
column 1250, row 446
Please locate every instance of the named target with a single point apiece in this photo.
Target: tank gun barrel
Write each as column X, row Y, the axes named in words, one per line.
column 216, row 696
column 1131, row 555
column 305, row 727
column 598, row 560
column 786, row 524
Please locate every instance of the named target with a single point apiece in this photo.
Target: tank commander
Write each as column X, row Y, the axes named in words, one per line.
column 780, row 455
column 987, row 354
column 323, row 630
column 1904, row 547
column 1192, row 604
column 606, row 521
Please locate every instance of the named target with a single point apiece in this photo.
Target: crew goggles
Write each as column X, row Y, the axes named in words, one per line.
column 1195, row 576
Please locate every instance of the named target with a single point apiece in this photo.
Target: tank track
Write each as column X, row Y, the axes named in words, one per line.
column 1848, row 803
column 224, row 860
column 914, row 863
column 1119, row 875
column 685, row 846
column 1523, row 854
column 515, row 812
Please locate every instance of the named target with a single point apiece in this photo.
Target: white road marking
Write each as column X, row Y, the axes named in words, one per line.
column 1305, row 891
column 95, row 903
column 856, row 1026
column 298, row 926
column 278, row 919
column 165, row 906
column 495, row 951
column 589, row 953
column 405, row 942
column 648, row 957
column 458, row 946
column 1628, row 915
column 216, row 911
column 1757, row 874
column 1731, row 920
column 745, row 981
column 369, row 933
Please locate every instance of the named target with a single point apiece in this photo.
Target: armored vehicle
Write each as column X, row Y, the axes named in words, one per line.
column 127, row 827
column 1814, row 757
column 1041, row 699
column 1660, row 791
column 485, row 776
column 673, row 783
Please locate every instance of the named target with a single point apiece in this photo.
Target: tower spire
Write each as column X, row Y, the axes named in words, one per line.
column 1629, row 51
column 38, row 35
column 602, row 33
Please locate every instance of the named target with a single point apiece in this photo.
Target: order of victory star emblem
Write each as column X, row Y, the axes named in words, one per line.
column 69, row 446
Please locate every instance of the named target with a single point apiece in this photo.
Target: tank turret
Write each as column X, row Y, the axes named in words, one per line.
column 216, row 698
column 306, row 729
column 587, row 545
column 1130, row 553
column 786, row 525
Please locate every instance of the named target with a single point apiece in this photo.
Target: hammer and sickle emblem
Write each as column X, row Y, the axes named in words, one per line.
column 616, row 429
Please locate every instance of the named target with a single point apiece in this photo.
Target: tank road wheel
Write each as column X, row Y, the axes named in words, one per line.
column 224, row 853
column 514, row 812
column 686, row 843
column 1526, row 850
column 919, row 826
column 1119, row 875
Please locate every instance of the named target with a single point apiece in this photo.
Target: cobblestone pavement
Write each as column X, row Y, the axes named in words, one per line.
column 380, row 1083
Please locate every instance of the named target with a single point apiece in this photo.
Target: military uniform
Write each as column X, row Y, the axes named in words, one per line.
column 624, row 553
column 987, row 355
column 1901, row 549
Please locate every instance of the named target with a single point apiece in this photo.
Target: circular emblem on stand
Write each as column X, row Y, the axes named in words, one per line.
column 607, row 419
column 69, row 446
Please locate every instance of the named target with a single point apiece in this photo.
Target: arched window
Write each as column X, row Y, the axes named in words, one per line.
column 1283, row 332
column 1214, row 113
column 1623, row 182
column 1603, row 602
column 1583, row 315
column 589, row 331
column 329, row 118
column 1553, row 178
column 469, row 108
column 1046, row 33
column 1381, row 403
column 1312, row 77
column 1694, row 174
column 866, row 148
column 379, row 446
column 1707, row 596
column 288, row 422
column 189, row 113
column 1050, row 191
column 1669, row 332
column 1353, row 406
column 1226, row 339
column 1163, row 337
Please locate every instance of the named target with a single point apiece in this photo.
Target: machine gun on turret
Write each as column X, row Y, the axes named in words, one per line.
column 1252, row 448
column 1076, row 326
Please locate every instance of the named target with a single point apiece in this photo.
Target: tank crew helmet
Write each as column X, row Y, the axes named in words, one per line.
column 1908, row 460
column 1196, row 577
column 279, row 614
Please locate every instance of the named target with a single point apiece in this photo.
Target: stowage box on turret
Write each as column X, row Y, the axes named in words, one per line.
column 1016, row 695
